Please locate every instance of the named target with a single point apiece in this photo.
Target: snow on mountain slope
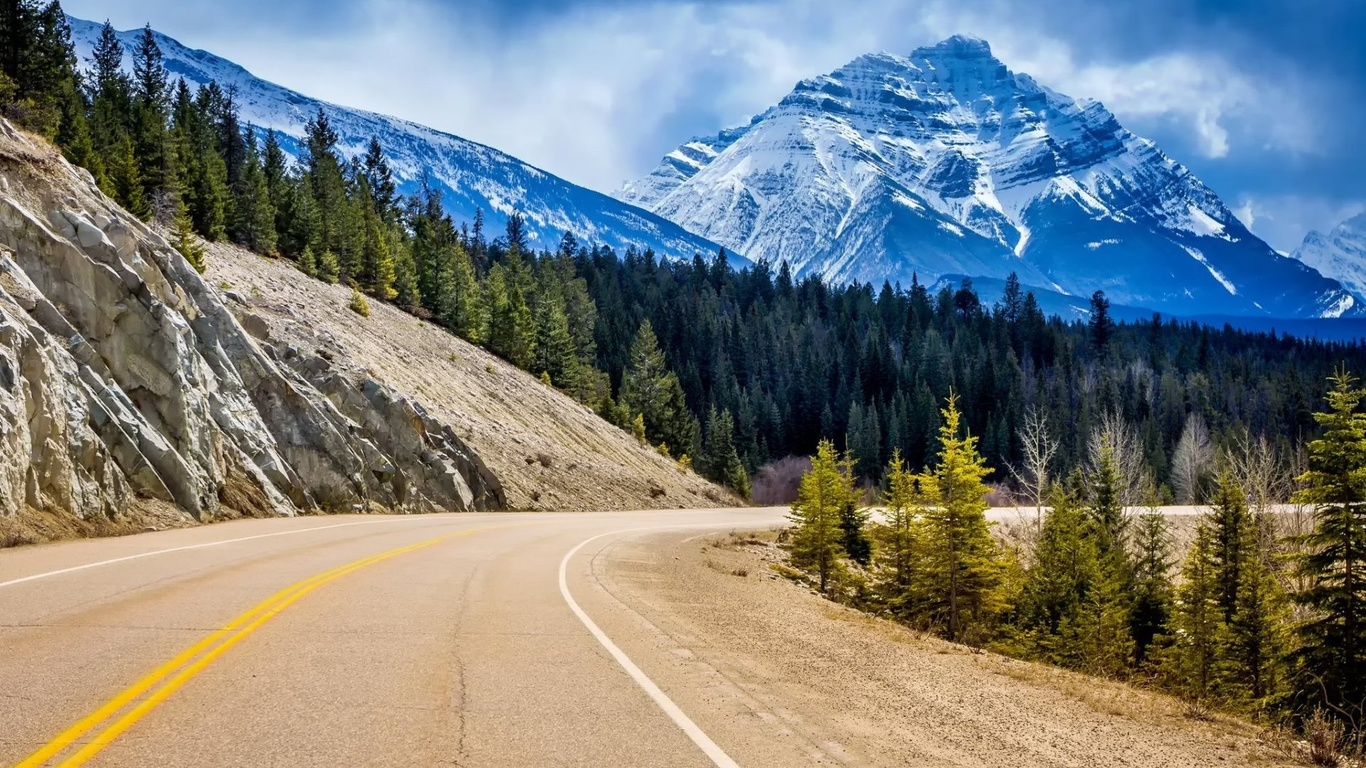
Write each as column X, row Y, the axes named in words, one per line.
column 470, row 175
column 1340, row 254
column 946, row 162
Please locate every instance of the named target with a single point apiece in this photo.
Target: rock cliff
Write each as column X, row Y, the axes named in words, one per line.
column 128, row 389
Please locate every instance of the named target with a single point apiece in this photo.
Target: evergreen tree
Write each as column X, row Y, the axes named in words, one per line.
column 816, row 533
column 254, row 215
column 183, row 239
column 1152, row 596
column 380, row 180
column 1331, row 657
column 1230, row 526
column 897, row 550
column 962, row 567
column 1258, row 630
column 648, row 388
column 554, row 345
column 720, row 462
column 1194, row 664
column 376, row 273
column 1102, row 327
column 459, row 300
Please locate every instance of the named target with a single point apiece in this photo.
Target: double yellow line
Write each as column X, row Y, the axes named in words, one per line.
column 171, row 676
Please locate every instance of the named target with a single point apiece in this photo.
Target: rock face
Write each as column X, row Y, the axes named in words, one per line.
column 124, row 378
column 945, row 162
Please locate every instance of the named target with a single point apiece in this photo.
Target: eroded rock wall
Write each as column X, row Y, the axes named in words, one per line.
column 124, row 376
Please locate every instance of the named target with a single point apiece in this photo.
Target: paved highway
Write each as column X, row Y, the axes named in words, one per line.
column 470, row 640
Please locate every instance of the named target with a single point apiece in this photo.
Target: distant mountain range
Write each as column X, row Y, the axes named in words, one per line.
column 471, row 176
column 946, row 162
column 937, row 165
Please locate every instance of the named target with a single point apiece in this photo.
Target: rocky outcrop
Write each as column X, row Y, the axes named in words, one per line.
column 125, row 377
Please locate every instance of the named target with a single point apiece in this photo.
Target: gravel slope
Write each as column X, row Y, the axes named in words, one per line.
column 549, row 452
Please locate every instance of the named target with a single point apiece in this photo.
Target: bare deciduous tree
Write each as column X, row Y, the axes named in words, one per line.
column 1039, row 447
column 1264, row 477
column 1192, row 460
column 1124, row 445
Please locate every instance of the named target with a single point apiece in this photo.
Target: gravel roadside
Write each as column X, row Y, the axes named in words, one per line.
column 825, row 685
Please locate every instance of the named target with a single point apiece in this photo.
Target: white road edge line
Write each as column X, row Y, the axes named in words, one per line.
column 700, row 738
column 188, row 547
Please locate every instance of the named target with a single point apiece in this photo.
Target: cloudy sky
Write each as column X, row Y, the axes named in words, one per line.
column 1264, row 99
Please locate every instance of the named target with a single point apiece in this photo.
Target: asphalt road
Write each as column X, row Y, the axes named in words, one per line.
column 470, row 640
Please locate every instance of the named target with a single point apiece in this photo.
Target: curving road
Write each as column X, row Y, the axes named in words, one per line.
column 469, row 640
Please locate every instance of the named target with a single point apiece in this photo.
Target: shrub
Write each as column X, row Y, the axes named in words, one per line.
column 359, row 304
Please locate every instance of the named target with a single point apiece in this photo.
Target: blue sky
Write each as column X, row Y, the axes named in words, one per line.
column 1263, row 99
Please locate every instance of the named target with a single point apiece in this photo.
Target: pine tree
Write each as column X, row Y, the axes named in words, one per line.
column 962, row 567
column 151, row 93
column 1257, row 632
column 254, row 215
column 380, row 180
column 328, row 270
column 183, row 239
column 308, row 263
column 1152, row 596
column 554, row 344
column 816, row 535
column 1230, row 526
column 1194, row 663
column 377, row 261
column 650, row 389
column 459, row 300
column 897, row 550
column 720, row 462
column 1331, row 657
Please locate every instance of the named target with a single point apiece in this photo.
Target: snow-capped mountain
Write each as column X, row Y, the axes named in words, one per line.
column 946, row 162
column 470, row 175
column 1340, row 254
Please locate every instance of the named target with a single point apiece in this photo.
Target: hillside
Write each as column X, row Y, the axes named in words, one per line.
column 947, row 162
column 131, row 395
column 548, row 451
column 471, row 176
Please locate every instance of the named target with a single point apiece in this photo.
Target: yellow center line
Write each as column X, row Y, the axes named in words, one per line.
column 234, row 632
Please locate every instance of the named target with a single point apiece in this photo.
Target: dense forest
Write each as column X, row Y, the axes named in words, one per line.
column 732, row 369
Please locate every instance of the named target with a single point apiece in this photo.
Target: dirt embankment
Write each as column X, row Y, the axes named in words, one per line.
column 836, row 687
column 548, row 451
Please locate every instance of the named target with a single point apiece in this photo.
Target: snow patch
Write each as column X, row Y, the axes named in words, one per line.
column 1216, row 274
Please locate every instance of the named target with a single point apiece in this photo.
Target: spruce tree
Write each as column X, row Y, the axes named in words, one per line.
column 554, row 344
column 897, row 551
column 962, row 567
column 1231, row 529
column 1194, row 663
column 1152, row 595
column 720, row 462
column 1258, row 629
column 183, row 239
column 1331, row 657
column 816, row 533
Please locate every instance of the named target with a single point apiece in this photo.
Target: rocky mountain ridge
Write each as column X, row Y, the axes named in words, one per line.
column 947, row 162
column 471, row 176
column 1339, row 254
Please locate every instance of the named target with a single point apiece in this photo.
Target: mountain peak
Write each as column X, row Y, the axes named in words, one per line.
column 958, row 47
column 945, row 162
